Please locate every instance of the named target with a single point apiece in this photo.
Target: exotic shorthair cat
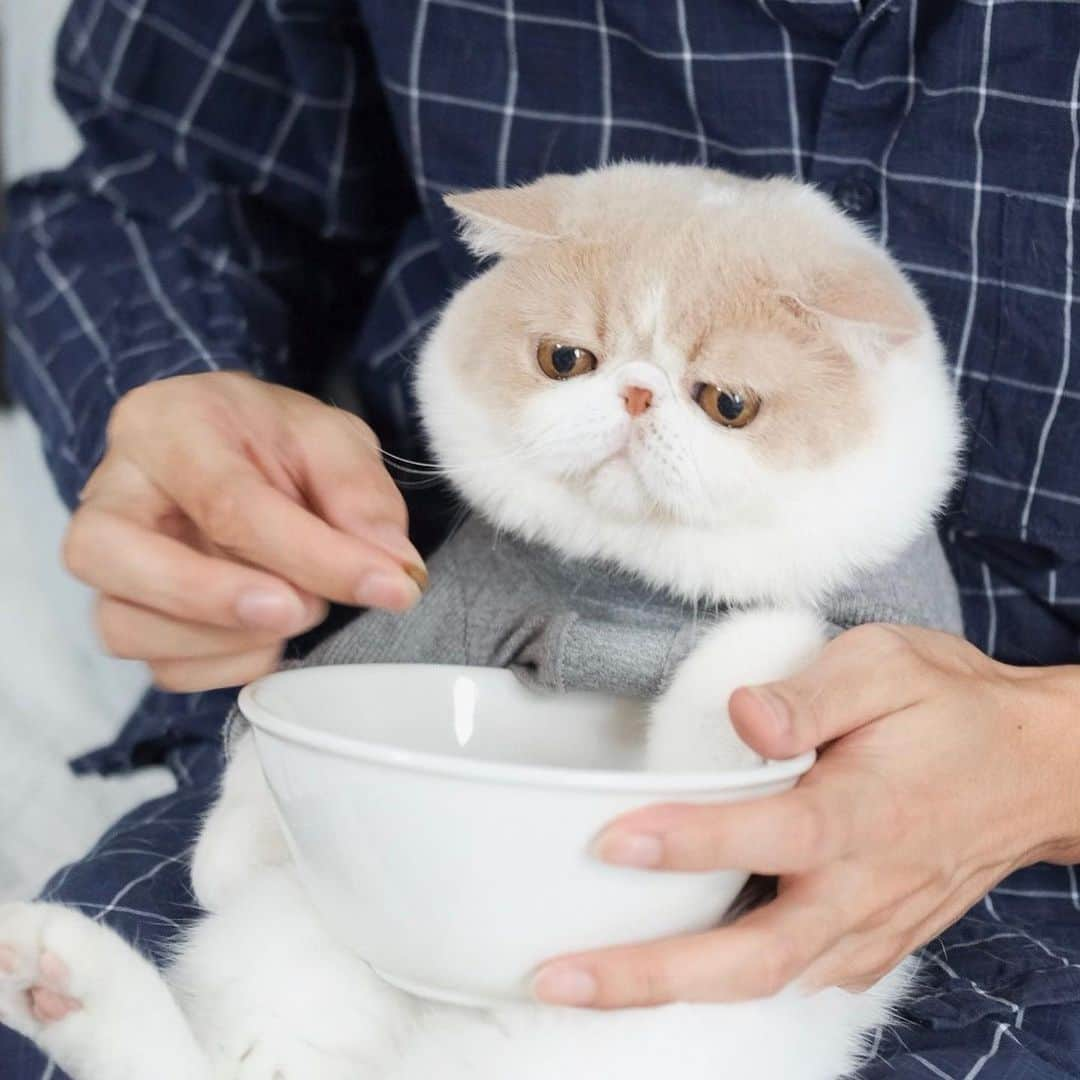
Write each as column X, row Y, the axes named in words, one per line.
column 703, row 423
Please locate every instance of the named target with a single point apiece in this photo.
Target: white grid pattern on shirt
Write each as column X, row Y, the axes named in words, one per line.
column 793, row 104
column 1066, row 344
column 606, row 121
column 209, row 73
column 603, row 154
column 503, row 152
column 976, row 202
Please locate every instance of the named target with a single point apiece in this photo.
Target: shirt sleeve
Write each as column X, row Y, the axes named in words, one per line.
column 237, row 191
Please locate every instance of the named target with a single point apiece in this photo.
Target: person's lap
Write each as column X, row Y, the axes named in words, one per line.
column 997, row 999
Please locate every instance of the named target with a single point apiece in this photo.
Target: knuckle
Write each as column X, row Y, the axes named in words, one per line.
column 356, row 429
column 659, row 986
column 895, row 816
column 651, row 982
column 112, row 628
column 221, row 516
column 372, row 505
column 876, row 962
column 129, row 411
column 173, row 677
column 192, row 590
column 692, row 848
column 76, row 550
column 812, row 830
column 260, row 663
column 811, row 718
column 880, row 639
column 779, row 965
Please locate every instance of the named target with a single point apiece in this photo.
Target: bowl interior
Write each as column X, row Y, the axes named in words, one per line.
column 483, row 714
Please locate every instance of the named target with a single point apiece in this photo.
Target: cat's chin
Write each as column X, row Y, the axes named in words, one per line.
column 616, row 488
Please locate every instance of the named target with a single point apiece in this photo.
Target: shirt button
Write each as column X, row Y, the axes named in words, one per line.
column 855, row 195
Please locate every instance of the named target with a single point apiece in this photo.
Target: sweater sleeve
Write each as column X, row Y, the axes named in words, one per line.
column 237, row 190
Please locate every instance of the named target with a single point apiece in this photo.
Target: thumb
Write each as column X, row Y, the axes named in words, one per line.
column 861, row 675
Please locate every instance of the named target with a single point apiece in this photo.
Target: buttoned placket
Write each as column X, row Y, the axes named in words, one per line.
column 856, row 126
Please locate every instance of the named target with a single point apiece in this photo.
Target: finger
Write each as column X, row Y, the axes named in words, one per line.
column 791, row 833
column 130, row 562
column 249, row 519
column 856, row 962
column 348, row 485
column 131, row 632
column 213, row 673
column 120, row 485
column 755, row 957
column 863, row 674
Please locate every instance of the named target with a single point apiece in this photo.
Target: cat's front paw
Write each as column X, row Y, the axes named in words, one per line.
column 689, row 726
column 37, row 986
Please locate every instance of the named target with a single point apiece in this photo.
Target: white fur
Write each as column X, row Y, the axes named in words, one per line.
column 258, row 989
column 735, row 529
column 689, row 723
column 859, row 512
column 278, row 1001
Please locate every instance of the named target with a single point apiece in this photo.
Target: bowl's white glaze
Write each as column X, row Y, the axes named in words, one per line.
column 440, row 818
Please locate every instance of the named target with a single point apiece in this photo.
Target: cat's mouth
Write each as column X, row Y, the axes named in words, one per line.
column 617, row 486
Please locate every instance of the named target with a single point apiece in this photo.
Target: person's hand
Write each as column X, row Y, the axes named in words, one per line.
column 223, row 516
column 941, row 772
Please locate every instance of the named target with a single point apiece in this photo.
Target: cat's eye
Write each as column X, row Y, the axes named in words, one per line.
column 559, row 361
column 732, row 408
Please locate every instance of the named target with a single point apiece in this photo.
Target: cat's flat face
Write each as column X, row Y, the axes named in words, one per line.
column 678, row 352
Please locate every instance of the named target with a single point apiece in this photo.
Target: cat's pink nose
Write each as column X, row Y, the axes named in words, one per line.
column 637, row 399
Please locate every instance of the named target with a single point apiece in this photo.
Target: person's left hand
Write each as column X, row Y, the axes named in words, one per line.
column 940, row 772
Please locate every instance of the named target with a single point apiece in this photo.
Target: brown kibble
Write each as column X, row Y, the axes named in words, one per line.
column 419, row 575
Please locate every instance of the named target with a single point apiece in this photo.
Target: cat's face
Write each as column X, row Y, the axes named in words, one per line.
column 673, row 353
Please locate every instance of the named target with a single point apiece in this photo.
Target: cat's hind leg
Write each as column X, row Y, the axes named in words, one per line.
column 89, row 1000
column 272, row 995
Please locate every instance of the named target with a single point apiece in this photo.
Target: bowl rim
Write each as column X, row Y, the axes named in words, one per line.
column 499, row 772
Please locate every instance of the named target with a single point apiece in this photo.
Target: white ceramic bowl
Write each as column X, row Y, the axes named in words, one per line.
column 441, row 817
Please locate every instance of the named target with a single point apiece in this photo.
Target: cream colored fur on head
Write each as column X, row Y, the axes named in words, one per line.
column 674, row 277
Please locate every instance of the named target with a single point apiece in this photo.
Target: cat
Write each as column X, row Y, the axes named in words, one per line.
column 713, row 389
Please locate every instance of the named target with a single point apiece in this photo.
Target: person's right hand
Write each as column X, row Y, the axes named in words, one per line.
column 223, row 516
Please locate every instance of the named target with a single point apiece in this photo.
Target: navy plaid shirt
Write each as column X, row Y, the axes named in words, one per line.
column 260, row 189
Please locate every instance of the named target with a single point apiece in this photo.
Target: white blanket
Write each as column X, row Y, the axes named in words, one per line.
column 59, row 695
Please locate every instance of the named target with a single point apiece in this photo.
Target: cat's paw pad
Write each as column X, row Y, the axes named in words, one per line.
column 36, row 985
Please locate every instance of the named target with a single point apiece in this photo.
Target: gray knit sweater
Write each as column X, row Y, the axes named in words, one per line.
column 496, row 601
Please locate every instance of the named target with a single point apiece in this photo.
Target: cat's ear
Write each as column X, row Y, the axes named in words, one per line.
column 508, row 221
column 864, row 300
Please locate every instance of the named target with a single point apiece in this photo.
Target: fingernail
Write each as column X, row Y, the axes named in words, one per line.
column 391, row 592
column 561, row 985
column 266, row 609
column 394, row 542
column 630, row 849
column 777, row 709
